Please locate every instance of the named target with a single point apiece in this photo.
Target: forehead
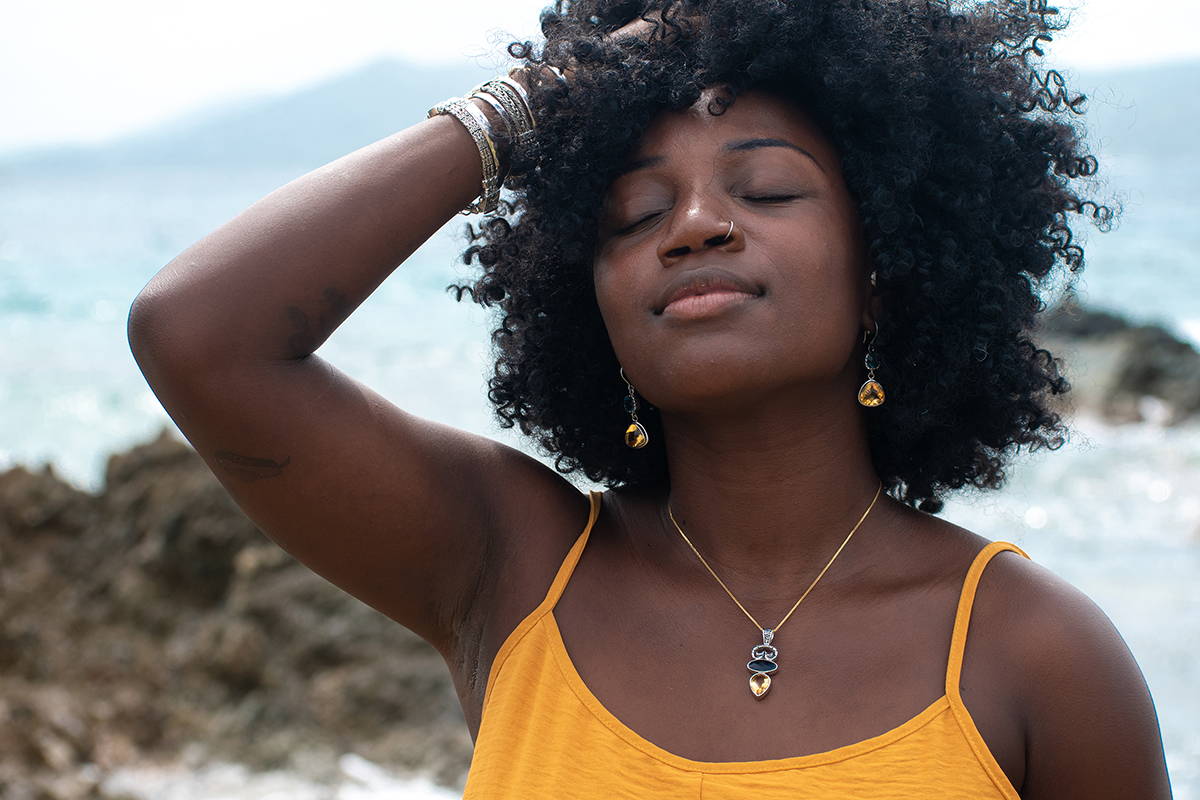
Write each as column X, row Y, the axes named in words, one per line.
column 755, row 113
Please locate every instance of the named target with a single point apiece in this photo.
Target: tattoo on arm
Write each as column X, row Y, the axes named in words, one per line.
column 306, row 337
column 250, row 468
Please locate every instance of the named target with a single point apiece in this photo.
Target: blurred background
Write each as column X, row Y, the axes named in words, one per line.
column 154, row 644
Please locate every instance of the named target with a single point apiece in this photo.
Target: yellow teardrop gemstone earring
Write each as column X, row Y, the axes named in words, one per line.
column 871, row 394
column 636, row 435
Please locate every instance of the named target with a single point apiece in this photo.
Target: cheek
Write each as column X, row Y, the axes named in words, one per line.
column 815, row 286
column 616, row 297
column 813, row 264
column 602, row 284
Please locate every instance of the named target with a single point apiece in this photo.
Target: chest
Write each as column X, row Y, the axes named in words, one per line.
column 670, row 665
column 680, row 676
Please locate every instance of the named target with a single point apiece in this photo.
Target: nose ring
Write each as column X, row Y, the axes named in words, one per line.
column 726, row 239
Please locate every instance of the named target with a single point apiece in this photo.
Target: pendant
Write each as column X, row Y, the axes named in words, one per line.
column 636, row 436
column 762, row 663
column 870, row 394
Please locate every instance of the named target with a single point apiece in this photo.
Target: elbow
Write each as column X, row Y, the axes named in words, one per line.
column 154, row 329
column 140, row 325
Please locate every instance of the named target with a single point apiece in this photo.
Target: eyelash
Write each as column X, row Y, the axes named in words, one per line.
column 777, row 198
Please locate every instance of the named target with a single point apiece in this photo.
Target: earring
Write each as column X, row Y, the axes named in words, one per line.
column 636, row 435
column 871, row 394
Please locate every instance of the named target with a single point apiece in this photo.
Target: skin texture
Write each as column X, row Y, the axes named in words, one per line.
column 769, row 469
column 456, row 536
column 964, row 200
column 754, row 399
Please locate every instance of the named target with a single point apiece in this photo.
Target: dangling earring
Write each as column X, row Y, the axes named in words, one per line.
column 870, row 394
column 635, row 435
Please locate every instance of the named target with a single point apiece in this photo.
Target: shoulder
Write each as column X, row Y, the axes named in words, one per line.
column 539, row 511
column 1061, row 635
column 1083, row 698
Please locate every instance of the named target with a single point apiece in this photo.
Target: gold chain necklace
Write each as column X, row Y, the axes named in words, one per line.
column 763, row 657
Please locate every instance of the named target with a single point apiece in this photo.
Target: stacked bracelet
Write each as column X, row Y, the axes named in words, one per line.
column 481, row 131
column 512, row 104
column 510, row 101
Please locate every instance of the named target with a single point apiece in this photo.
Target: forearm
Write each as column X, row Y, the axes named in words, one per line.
column 275, row 281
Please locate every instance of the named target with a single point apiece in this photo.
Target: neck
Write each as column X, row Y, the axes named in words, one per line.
column 768, row 496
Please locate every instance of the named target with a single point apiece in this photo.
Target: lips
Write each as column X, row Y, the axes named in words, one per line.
column 704, row 280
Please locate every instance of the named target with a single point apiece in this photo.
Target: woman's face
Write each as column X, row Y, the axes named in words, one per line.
column 795, row 246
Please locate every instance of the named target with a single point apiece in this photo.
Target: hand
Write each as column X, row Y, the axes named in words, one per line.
column 637, row 29
column 641, row 29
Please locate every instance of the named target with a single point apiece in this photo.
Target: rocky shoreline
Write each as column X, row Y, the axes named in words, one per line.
column 154, row 615
column 1122, row 371
column 153, row 618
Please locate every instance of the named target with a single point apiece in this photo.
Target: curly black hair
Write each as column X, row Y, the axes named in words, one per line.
column 962, row 158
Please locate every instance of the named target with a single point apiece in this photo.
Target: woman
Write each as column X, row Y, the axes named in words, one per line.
column 768, row 272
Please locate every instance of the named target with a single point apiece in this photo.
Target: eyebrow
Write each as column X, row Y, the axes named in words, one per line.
column 738, row 145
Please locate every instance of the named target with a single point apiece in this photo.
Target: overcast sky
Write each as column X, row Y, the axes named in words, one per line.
column 81, row 70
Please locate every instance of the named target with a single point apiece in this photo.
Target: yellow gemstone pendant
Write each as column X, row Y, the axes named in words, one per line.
column 635, row 435
column 871, row 394
column 762, row 662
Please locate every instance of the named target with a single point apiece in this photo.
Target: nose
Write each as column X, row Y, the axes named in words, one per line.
column 696, row 231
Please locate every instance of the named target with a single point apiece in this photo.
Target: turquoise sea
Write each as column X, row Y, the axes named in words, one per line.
column 1116, row 512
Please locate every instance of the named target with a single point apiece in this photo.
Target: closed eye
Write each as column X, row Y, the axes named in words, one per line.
column 629, row 228
column 776, row 198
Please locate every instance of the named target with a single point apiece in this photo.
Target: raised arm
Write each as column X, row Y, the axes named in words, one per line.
column 402, row 512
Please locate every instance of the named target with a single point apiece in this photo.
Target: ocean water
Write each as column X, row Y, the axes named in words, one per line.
column 74, row 252
column 1116, row 512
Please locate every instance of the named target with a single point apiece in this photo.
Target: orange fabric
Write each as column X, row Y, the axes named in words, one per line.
column 545, row 735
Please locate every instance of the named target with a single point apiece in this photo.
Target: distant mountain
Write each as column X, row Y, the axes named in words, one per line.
column 308, row 127
column 1150, row 111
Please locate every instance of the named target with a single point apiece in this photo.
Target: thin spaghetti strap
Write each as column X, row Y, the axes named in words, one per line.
column 962, row 619
column 572, row 558
column 556, row 588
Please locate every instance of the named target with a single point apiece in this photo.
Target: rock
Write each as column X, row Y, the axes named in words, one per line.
column 1159, row 365
column 153, row 621
column 1122, row 371
column 40, row 502
column 1073, row 321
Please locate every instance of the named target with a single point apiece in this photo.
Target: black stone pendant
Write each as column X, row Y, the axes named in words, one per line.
column 762, row 664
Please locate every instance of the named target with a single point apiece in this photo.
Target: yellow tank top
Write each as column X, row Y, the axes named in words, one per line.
column 543, row 734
